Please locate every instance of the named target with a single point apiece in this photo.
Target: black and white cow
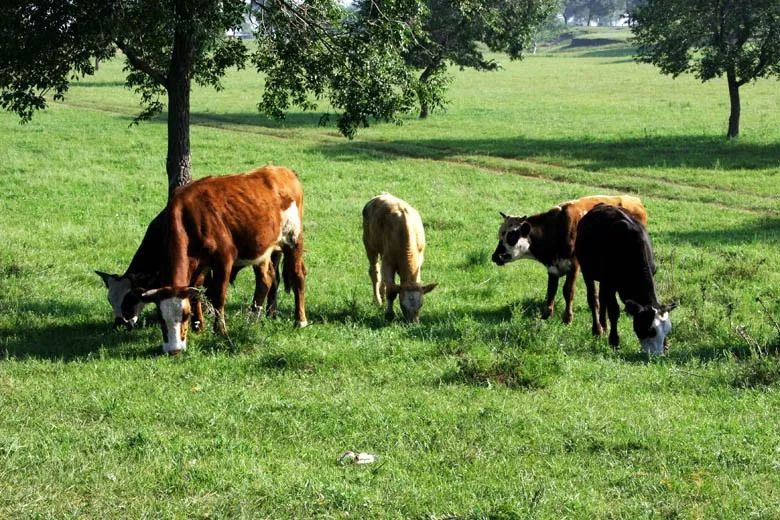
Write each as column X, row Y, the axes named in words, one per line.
column 613, row 248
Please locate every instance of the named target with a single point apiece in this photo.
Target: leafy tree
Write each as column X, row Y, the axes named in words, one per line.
column 711, row 38
column 451, row 29
column 305, row 46
column 586, row 11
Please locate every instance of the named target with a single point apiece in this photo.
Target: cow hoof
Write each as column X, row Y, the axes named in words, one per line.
column 301, row 324
column 597, row 330
column 546, row 313
column 197, row 326
column 567, row 318
column 174, row 353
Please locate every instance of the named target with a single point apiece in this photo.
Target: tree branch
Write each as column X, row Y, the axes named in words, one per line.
column 137, row 62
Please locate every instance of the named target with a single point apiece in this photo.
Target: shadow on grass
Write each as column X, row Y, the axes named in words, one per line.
column 292, row 120
column 91, row 83
column 589, row 154
column 74, row 336
column 73, row 342
column 761, row 229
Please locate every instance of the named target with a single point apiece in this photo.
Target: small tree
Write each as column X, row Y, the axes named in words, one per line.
column 710, row 38
column 450, row 30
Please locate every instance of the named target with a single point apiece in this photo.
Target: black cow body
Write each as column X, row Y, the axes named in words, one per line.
column 614, row 249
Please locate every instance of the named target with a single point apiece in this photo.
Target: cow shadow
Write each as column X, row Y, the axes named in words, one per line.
column 80, row 339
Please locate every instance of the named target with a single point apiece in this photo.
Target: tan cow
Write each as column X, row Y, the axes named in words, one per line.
column 549, row 239
column 393, row 230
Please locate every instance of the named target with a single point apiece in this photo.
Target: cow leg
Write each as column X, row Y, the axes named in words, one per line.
column 388, row 278
column 603, row 306
column 273, row 291
column 196, row 319
column 295, row 272
column 217, row 293
column 593, row 304
column 264, row 278
column 552, row 288
column 614, row 313
column 373, row 273
column 568, row 293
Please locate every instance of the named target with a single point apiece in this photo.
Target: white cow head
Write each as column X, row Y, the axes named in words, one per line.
column 125, row 303
column 174, row 303
column 651, row 325
column 411, row 296
column 514, row 240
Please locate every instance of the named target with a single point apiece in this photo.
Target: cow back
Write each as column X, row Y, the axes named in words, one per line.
column 233, row 216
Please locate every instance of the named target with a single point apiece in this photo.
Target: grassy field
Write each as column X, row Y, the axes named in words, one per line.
column 480, row 411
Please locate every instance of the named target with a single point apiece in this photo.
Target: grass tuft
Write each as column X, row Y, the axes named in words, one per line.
column 511, row 369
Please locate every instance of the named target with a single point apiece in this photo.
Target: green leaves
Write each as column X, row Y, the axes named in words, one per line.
column 317, row 49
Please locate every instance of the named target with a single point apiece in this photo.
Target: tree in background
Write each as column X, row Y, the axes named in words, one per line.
column 605, row 12
column 711, row 38
column 450, row 30
column 305, row 46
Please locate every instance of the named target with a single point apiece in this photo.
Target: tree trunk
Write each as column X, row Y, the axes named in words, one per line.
column 179, row 163
column 424, row 77
column 731, row 76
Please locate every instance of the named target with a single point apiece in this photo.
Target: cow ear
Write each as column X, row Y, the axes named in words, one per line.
column 632, row 308
column 428, row 288
column 104, row 276
column 392, row 290
column 503, row 215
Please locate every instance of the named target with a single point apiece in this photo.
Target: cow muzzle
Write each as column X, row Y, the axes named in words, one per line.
column 500, row 256
column 122, row 322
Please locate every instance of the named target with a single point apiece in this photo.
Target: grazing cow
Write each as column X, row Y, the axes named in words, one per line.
column 614, row 249
column 549, row 238
column 216, row 224
column 145, row 271
column 393, row 230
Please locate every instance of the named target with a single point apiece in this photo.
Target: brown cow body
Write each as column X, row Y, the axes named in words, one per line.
column 393, row 231
column 549, row 238
column 217, row 224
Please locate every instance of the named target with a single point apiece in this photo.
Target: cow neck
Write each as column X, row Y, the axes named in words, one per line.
column 641, row 286
column 548, row 237
column 409, row 271
column 178, row 244
column 151, row 254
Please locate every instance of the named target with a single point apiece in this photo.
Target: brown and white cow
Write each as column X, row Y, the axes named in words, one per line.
column 393, row 231
column 549, row 238
column 216, row 224
column 145, row 270
column 613, row 248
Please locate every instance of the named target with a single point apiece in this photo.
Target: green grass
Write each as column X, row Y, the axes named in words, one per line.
column 480, row 411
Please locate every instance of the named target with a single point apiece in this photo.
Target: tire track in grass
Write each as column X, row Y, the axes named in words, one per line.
column 658, row 188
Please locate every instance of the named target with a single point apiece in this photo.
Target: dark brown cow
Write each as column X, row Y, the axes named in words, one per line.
column 614, row 249
column 219, row 223
column 549, row 238
column 145, row 270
